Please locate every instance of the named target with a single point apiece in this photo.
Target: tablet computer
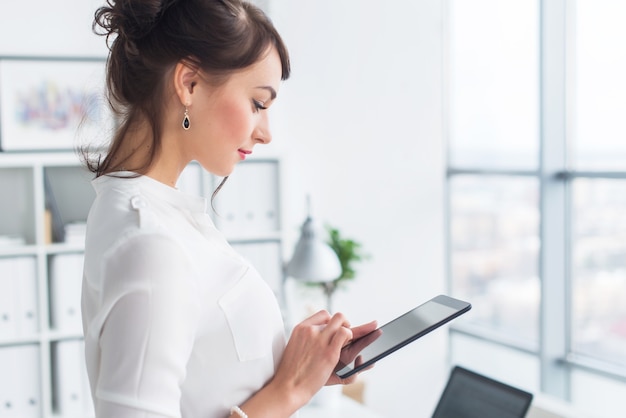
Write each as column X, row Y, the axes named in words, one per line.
column 399, row 332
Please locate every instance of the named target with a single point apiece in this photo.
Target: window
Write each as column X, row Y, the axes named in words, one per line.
column 536, row 111
column 598, row 142
column 495, row 250
column 494, row 78
column 493, row 162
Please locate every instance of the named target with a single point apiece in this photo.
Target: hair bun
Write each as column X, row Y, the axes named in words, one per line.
column 130, row 19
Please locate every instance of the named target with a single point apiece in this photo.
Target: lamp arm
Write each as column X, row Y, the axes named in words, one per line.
column 329, row 289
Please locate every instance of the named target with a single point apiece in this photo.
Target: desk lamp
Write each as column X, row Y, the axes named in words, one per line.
column 313, row 260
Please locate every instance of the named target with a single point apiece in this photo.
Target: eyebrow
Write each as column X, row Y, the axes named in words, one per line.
column 270, row 89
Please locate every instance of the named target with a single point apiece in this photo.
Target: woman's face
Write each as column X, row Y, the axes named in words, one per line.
column 229, row 120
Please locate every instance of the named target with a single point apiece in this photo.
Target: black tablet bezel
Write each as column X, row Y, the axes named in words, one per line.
column 345, row 370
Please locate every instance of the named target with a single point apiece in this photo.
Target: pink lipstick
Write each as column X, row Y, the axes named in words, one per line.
column 243, row 153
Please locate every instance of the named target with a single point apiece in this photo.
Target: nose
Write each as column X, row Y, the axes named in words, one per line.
column 262, row 133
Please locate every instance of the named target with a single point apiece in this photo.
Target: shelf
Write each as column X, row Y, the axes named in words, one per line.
column 30, row 159
column 272, row 236
column 64, row 248
column 28, row 340
column 55, row 336
column 18, row 251
column 28, row 181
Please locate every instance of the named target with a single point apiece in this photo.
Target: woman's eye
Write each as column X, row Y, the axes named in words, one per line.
column 258, row 105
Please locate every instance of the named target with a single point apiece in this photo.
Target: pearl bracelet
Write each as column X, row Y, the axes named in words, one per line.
column 238, row 411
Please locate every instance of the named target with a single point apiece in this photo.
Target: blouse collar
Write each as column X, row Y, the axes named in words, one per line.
column 160, row 190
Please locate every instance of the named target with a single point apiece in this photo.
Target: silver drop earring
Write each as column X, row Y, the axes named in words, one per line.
column 186, row 123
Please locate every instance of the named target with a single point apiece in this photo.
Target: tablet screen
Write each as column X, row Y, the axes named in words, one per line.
column 399, row 332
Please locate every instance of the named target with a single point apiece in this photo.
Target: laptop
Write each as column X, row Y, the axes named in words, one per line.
column 471, row 395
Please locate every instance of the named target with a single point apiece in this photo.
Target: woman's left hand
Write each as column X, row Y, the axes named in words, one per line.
column 357, row 332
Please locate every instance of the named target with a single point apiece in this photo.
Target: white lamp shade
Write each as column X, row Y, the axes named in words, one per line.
column 313, row 260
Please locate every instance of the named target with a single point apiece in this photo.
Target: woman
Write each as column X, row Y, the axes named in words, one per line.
column 176, row 323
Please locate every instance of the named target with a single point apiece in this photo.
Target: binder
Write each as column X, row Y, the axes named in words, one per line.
column 8, row 323
column 228, row 206
column 66, row 272
column 260, row 197
column 20, row 395
column 71, row 396
column 26, row 314
column 248, row 202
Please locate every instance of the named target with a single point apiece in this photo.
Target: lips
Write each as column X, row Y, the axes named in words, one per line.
column 243, row 153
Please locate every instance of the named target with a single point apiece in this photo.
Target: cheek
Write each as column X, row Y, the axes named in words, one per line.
column 235, row 119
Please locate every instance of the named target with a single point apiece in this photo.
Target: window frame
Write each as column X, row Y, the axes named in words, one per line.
column 556, row 95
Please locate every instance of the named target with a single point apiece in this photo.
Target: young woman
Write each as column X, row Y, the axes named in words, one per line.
column 176, row 323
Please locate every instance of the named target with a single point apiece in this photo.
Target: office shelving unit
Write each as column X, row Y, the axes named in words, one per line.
column 36, row 348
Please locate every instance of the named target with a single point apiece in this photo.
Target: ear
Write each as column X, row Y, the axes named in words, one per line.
column 185, row 79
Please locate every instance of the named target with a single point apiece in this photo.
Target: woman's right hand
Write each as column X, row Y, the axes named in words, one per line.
column 307, row 364
column 312, row 354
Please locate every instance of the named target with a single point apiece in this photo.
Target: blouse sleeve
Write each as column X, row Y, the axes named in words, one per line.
column 148, row 331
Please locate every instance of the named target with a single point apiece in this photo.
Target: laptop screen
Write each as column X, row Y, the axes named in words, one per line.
column 471, row 395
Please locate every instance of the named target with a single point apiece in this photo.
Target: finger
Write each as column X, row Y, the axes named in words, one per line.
column 349, row 380
column 364, row 329
column 331, row 325
column 359, row 361
column 340, row 338
column 319, row 318
column 339, row 320
column 337, row 323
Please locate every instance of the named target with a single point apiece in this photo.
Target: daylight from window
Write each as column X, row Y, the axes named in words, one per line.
column 494, row 188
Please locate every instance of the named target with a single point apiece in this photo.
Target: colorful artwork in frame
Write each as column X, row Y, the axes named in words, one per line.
column 53, row 104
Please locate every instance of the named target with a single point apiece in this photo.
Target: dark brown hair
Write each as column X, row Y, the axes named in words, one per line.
column 147, row 38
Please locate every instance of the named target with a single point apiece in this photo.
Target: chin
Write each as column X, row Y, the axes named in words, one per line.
column 222, row 171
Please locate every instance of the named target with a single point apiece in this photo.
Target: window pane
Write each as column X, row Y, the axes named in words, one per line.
column 599, row 102
column 494, row 83
column 522, row 369
column 494, row 251
column 599, row 269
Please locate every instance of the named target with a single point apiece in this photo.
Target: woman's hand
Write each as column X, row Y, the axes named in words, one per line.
column 308, row 363
column 357, row 332
column 312, row 353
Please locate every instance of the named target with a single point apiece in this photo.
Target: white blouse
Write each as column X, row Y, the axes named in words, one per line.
column 176, row 323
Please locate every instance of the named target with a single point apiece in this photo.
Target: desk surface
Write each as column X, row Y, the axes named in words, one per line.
column 346, row 407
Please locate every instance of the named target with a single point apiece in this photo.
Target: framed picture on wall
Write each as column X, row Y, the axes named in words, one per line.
column 53, row 104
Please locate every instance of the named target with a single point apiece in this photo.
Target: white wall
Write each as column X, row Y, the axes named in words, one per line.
column 49, row 28
column 359, row 125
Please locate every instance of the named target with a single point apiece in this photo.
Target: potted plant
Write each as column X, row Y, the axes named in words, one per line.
column 349, row 253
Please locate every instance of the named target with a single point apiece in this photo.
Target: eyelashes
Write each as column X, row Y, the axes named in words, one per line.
column 258, row 105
